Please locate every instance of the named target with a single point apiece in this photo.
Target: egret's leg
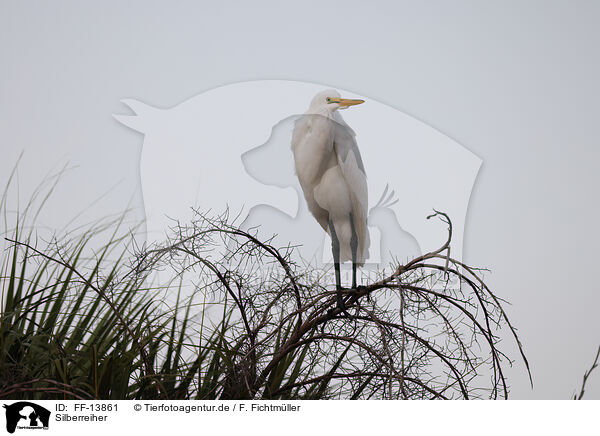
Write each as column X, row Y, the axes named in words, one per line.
column 335, row 248
column 354, row 248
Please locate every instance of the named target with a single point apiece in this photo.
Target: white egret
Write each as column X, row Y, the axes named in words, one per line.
column 332, row 176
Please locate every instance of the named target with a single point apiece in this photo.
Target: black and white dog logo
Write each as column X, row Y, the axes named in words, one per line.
column 26, row 415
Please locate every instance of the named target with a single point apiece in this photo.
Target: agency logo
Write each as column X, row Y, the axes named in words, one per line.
column 26, row 415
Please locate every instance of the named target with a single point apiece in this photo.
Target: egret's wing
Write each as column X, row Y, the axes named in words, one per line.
column 353, row 169
column 350, row 161
column 345, row 145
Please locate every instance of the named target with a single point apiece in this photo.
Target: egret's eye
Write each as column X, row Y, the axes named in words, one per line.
column 328, row 100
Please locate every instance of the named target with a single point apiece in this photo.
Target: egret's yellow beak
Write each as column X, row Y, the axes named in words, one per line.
column 345, row 102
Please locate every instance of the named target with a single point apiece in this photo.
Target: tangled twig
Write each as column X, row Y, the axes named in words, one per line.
column 407, row 339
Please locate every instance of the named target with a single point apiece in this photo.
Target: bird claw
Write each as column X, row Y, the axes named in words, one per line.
column 340, row 302
column 361, row 288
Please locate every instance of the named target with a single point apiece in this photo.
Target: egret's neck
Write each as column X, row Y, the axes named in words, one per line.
column 321, row 110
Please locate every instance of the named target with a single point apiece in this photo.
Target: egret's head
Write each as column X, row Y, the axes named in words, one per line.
column 329, row 101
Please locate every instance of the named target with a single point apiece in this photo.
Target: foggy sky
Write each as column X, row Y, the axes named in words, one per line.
column 514, row 82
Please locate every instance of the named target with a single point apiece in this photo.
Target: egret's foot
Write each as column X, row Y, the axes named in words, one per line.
column 340, row 301
column 355, row 291
column 361, row 288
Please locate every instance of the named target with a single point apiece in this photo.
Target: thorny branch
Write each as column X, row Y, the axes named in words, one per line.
column 428, row 330
column 586, row 375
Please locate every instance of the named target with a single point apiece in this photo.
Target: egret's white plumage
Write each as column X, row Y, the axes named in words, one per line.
column 332, row 175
